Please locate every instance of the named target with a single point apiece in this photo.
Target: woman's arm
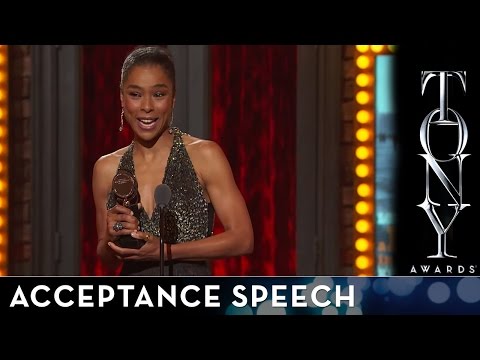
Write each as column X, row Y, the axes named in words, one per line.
column 230, row 207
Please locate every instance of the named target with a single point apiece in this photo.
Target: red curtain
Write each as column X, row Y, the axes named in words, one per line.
column 101, row 67
column 254, row 120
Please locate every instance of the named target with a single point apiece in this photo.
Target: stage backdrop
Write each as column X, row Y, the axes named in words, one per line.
column 253, row 102
column 253, row 118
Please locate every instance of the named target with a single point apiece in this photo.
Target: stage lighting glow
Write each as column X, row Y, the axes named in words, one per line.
column 362, row 48
column 362, row 262
column 362, row 207
column 3, row 159
column 362, row 152
column 363, row 97
column 362, row 170
column 392, row 48
column 364, row 128
column 362, row 226
column 363, row 80
column 364, row 190
column 377, row 48
column 363, row 62
column 362, row 244
column 364, row 116
column 362, row 134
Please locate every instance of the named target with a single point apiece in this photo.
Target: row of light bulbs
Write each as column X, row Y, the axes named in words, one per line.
column 364, row 198
column 3, row 159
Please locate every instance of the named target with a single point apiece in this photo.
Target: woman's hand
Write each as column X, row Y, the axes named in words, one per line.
column 150, row 251
column 120, row 221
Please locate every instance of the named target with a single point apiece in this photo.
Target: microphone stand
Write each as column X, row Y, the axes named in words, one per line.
column 162, row 232
column 162, row 197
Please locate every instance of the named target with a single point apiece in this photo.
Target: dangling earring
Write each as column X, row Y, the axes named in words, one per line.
column 170, row 130
column 121, row 121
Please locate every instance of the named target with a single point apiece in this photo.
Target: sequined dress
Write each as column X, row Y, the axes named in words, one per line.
column 188, row 216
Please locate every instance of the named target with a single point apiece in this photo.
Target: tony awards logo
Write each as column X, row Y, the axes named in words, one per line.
column 443, row 116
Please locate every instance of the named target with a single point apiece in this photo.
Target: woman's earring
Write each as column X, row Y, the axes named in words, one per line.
column 121, row 121
column 170, row 129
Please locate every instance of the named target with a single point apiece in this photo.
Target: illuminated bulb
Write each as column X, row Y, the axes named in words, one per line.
column 3, row 76
column 364, row 190
column 362, row 262
column 362, row 207
column 362, row 244
column 1, row 149
column 392, row 48
column 2, row 185
column 361, row 170
column 362, row 152
column 363, row 80
column 362, row 226
column 362, row 97
column 377, row 48
column 2, row 95
column 362, row 48
column 362, row 134
column 2, row 221
column 2, row 59
column 363, row 62
column 364, row 116
column 2, row 129
column 3, row 202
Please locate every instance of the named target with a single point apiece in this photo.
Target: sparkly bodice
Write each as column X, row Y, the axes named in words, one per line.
column 188, row 216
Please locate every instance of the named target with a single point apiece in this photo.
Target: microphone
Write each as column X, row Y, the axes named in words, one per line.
column 162, row 197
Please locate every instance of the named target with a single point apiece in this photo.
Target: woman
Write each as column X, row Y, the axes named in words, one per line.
column 196, row 171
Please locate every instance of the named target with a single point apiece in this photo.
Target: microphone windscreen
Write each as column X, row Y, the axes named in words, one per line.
column 162, row 194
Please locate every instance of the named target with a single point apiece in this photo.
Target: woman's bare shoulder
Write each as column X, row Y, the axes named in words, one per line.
column 205, row 154
column 107, row 165
column 200, row 147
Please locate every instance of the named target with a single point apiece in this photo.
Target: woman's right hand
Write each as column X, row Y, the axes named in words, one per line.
column 121, row 221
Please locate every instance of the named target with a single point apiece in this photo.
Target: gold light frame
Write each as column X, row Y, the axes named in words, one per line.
column 364, row 154
column 3, row 160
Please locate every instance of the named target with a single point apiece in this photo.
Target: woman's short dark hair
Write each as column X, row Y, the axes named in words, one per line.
column 149, row 55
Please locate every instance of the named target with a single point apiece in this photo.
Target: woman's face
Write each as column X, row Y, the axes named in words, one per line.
column 147, row 100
